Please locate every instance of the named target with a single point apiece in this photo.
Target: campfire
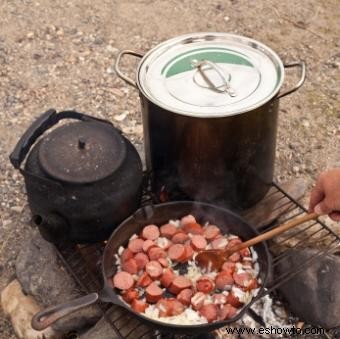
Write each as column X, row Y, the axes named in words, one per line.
column 89, row 198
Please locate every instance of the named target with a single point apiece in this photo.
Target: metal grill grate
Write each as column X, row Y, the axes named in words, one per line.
column 83, row 263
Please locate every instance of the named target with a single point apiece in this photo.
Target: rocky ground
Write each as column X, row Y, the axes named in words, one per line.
column 60, row 54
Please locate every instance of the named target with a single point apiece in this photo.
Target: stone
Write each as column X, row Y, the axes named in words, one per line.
column 20, row 308
column 313, row 295
column 41, row 275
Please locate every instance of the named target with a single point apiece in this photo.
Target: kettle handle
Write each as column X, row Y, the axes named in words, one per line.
column 41, row 125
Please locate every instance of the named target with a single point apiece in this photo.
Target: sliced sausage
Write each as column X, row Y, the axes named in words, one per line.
column 144, row 280
column 139, row 305
column 180, row 238
column 204, row 284
column 147, row 244
column 242, row 279
column 219, row 299
column 167, row 277
column 176, row 307
column 229, row 267
column 235, row 257
column 219, row 243
column 188, row 219
column 123, row 280
column 164, row 307
column 126, row 255
column 168, row 230
column 185, row 296
column 154, row 269
column 150, row 232
column 164, row 262
column 176, row 252
column 189, row 252
column 193, row 228
column 153, row 293
column 179, row 283
column 233, row 300
column 136, row 245
column 130, row 295
column 141, row 259
column 198, row 242
column 155, row 253
column 197, row 300
column 130, row 266
column 224, row 280
column 209, row 312
column 211, row 232
column 226, row 312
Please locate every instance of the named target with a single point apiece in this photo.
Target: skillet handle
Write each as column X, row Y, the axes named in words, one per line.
column 119, row 72
column 47, row 317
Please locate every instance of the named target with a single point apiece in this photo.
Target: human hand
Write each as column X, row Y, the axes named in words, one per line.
column 325, row 196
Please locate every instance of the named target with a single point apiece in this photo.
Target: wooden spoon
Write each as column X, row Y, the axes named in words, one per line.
column 213, row 259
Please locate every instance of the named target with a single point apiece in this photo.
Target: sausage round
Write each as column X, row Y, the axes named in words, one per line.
column 123, row 280
column 153, row 293
column 185, row 296
column 136, row 245
column 227, row 312
column 150, row 232
column 204, row 284
column 198, row 242
column 147, row 244
column 209, row 312
column 144, row 280
column 130, row 266
column 141, row 260
column 168, row 230
column 176, row 252
column 155, row 253
column 167, row 277
column 130, row 295
column 154, row 269
column 197, row 300
column 224, row 280
column 211, row 232
column 219, row 243
column 180, row 283
column 180, row 238
column 139, row 305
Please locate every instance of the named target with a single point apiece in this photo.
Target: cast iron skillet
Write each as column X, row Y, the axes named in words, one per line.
column 160, row 214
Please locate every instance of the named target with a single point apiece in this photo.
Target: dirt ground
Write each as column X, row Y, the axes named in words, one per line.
column 60, row 54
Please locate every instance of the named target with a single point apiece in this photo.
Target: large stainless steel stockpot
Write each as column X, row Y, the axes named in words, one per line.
column 210, row 107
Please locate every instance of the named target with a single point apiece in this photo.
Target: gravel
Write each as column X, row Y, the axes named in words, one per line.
column 60, row 54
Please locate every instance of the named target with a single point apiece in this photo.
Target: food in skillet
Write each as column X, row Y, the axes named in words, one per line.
column 157, row 274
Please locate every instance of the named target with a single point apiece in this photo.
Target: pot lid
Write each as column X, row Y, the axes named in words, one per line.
column 82, row 152
column 210, row 74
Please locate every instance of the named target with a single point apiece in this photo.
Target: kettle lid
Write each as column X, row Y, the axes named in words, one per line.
column 82, row 152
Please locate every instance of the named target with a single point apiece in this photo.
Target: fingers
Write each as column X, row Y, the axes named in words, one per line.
column 335, row 216
column 323, row 208
column 317, row 196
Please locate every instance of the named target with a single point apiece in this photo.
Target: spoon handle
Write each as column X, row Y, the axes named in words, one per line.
column 272, row 233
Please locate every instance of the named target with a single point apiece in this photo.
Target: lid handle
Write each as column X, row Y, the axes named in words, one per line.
column 202, row 68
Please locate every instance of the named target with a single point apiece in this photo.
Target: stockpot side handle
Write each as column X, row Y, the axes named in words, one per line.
column 302, row 66
column 38, row 127
column 119, row 72
column 47, row 317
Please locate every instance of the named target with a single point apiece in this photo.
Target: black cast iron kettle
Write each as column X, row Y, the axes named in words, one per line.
column 82, row 178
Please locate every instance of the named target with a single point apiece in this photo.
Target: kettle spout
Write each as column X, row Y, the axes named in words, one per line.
column 53, row 227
